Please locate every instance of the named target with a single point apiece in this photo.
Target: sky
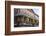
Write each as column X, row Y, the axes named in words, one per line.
column 36, row 11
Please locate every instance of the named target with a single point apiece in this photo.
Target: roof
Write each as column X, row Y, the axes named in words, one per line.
column 32, row 12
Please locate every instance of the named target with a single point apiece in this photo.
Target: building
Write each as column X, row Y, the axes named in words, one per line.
column 25, row 17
